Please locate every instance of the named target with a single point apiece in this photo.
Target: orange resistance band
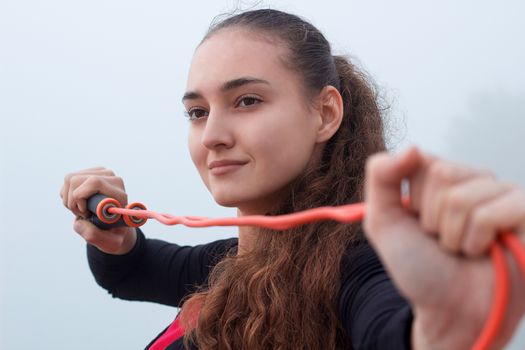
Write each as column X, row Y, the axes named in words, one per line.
column 110, row 212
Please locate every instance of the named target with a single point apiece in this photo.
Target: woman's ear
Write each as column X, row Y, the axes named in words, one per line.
column 330, row 109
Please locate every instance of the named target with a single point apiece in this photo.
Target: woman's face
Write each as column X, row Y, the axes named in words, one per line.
column 248, row 108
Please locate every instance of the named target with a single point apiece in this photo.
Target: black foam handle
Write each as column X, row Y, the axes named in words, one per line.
column 92, row 203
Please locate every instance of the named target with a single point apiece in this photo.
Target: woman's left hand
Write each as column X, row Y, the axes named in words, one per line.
column 436, row 252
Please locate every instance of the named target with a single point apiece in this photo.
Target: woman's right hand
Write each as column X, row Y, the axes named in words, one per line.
column 437, row 253
column 78, row 187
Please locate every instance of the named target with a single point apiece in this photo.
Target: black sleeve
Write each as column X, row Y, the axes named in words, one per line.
column 155, row 270
column 374, row 314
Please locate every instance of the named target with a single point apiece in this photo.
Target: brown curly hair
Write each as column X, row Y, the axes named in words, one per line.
column 284, row 293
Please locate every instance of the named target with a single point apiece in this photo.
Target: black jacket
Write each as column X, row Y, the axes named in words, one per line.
column 371, row 310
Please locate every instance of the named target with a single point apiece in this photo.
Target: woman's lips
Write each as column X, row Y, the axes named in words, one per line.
column 225, row 169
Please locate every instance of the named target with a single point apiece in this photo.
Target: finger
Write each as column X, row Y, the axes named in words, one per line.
column 393, row 231
column 65, row 189
column 419, row 180
column 441, row 176
column 64, row 192
column 416, row 181
column 75, row 181
column 95, row 236
column 111, row 186
column 68, row 181
column 503, row 213
column 70, row 202
column 88, row 170
column 384, row 173
column 457, row 204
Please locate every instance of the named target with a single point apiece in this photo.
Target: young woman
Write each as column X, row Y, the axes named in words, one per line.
column 279, row 125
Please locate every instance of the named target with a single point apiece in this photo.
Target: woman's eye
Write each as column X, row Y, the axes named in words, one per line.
column 198, row 113
column 249, row 100
column 195, row 113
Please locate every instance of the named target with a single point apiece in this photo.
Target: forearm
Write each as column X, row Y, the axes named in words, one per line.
column 156, row 270
column 148, row 272
column 110, row 269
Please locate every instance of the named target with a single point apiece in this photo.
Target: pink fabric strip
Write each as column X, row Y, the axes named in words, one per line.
column 174, row 332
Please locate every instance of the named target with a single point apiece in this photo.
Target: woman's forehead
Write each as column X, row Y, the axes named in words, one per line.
column 235, row 53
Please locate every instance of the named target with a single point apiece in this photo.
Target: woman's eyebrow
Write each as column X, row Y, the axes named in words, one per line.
column 229, row 85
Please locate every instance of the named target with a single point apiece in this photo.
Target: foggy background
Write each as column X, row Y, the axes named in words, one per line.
column 99, row 83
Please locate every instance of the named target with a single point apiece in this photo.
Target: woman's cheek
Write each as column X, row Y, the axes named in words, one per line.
column 198, row 156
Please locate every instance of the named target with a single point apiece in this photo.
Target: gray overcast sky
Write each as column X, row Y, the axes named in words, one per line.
column 88, row 83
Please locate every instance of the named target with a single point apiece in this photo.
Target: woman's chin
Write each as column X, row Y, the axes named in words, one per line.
column 227, row 200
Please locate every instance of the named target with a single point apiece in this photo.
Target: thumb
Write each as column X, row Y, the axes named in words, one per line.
column 383, row 177
column 408, row 255
column 88, row 231
column 79, row 224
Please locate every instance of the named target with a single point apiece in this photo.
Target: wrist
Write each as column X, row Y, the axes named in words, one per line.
column 123, row 245
column 129, row 241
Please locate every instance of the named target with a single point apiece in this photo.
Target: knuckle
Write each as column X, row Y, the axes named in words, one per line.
column 448, row 243
column 70, row 202
column 477, row 241
column 442, row 170
column 510, row 186
column 75, row 195
column 487, row 172
column 67, row 178
column 480, row 218
column 109, row 172
column 473, row 249
column 76, row 180
column 70, row 191
column 120, row 181
column 450, row 172
column 454, row 198
column 95, row 180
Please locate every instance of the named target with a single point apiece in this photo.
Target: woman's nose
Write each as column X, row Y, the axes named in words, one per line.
column 217, row 132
